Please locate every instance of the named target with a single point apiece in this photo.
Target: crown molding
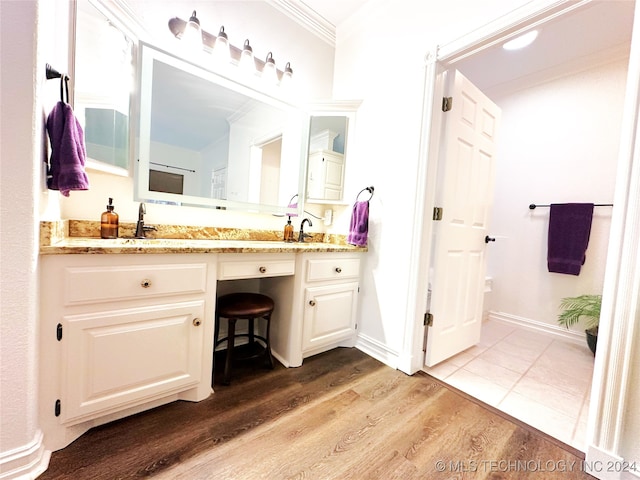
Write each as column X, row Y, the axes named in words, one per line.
column 308, row 18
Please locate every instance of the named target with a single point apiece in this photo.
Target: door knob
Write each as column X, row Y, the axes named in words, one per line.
column 488, row 239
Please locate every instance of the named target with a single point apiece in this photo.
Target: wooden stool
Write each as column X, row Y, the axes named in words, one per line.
column 243, row 306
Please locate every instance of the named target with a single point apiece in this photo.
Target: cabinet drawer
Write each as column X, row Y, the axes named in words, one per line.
column 333, row 269
column 236, row 269
column 96, row 284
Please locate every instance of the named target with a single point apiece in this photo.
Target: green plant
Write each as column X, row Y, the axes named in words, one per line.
column 574, row 308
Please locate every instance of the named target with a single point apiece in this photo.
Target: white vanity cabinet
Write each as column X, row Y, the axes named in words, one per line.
column 326, row 175
column 120, row 332
column 330, row 300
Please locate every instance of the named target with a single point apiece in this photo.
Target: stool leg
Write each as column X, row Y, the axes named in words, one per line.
column 216, row 334
column 251, row 331
column 230, row 341
column 267, row 349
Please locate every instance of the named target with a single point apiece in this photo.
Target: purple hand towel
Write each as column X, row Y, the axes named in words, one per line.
column 359, row 227
column 68, row 152
column 569, row 230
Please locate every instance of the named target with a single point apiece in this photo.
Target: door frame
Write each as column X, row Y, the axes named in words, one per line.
column 621, row 292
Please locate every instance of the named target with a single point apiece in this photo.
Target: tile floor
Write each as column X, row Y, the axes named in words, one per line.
column 537, row 378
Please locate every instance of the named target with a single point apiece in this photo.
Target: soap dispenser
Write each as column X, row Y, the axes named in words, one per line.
column 288, row 231
column 109, row 222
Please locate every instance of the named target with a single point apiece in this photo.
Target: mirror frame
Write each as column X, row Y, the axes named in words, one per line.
column 129, row 30
column 147, row 54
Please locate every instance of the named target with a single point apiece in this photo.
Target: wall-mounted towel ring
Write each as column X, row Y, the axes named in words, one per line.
column 367, row 189
column 64, row 81
column 52, row 72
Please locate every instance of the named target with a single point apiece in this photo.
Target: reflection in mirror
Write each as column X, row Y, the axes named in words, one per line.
column 102, row 88
column 208, row 141
column 327, row 142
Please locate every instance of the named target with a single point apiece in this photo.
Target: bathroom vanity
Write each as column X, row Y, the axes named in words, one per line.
column 127, row 325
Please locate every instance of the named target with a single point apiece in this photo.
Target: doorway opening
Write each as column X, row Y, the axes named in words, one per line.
column 529, row 298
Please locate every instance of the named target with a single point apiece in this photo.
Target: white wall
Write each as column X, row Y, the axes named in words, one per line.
column 558, row 143
column 25, row 98
column 380, row 58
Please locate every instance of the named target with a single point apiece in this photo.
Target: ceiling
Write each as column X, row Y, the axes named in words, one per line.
column 601, row 29
column 597, row 32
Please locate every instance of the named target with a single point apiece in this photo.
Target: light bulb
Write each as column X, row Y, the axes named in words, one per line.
column 269, row 73
column 286, row 76
column 247, row 62
column 192, row 35
column 221, row 47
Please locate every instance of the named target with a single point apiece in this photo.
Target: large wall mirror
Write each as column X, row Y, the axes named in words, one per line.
column 206, row 140
column 103, row 80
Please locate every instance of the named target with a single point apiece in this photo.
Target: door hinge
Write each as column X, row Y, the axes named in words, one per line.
column 57, row 408
column 437, row 213
column 59, row 332
column 447, row 103
column 428, row 320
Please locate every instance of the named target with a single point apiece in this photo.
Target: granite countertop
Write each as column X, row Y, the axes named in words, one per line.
column 83, row 237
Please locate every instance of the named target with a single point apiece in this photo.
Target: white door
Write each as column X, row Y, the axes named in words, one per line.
column 465, row 190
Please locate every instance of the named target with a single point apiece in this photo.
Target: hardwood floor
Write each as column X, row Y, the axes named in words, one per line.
column 342, row 415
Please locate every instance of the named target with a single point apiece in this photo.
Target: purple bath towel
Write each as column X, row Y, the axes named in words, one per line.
column 68, row 152
column 569, row 230
column 359, row 227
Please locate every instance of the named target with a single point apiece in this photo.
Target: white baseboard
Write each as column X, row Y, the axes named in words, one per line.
column 25, row 462
column 607, row 466
column 377, row 350
column 537, row 326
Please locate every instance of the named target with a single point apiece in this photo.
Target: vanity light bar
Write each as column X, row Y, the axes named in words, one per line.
column 177, row 26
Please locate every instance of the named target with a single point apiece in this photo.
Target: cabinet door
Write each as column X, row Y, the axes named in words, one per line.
column 329, row 315
column 114, row 359
column 333, row 176
column 326, row 175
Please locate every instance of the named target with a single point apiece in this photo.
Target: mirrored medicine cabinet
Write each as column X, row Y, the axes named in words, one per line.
column 331, row 138
column 103, row 77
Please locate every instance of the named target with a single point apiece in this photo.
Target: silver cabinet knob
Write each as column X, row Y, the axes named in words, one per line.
column 262, row 269
column 312, row 303
column 197, row 322
column 146, row 283
column 338, row 270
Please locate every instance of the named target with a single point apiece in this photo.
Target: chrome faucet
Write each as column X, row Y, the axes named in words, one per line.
column 302, row 235
column 141, row 228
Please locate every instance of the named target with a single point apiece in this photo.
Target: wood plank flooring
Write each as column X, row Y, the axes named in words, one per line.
column 342, row 415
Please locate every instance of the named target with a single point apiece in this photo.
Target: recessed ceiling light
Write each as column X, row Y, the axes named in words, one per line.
column 521, row 41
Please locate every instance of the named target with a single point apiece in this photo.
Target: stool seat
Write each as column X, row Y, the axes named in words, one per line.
column 243, row 306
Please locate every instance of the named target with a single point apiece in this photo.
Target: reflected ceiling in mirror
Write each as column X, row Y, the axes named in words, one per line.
column 206, row 140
